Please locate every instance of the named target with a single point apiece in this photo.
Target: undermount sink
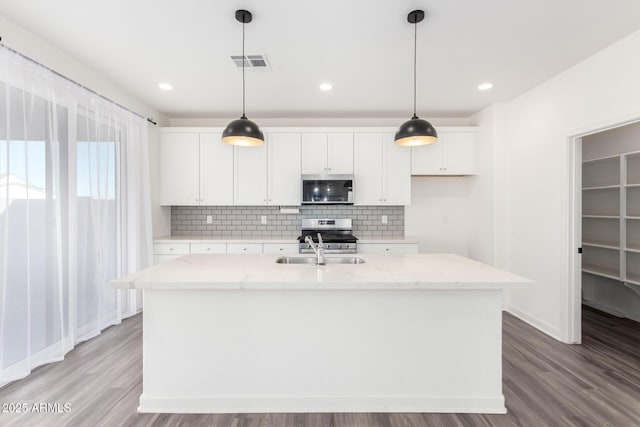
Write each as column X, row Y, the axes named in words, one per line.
column 313, row 260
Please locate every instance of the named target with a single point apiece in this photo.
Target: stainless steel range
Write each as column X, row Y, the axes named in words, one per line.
column 336, row 235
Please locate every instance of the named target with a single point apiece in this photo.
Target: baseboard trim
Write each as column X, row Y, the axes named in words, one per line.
column 541, row 325
column 610, row 310
column 279, row 404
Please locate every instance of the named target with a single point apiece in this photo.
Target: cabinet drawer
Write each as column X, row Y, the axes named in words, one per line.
column 244, row 248
column 170, row 248
column 283, row 248
column 208, row 248
column 390, row 248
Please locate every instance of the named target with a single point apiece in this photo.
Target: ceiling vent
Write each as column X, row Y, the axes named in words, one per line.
column 251, row 61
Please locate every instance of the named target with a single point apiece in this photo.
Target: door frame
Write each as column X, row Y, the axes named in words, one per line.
column 573, row 320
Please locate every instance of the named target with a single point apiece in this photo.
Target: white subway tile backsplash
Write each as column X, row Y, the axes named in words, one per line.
column 244, row 221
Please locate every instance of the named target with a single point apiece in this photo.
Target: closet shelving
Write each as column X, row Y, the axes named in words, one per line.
column 601, row 217
column 632, row 218
column 611, row 217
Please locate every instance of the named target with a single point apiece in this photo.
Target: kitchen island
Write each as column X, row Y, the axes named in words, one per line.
column 398, row 333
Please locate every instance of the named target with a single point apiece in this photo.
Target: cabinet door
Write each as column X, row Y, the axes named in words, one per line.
column 314, row 153
column 216, row 170
column 179, row 169
column 209, row 248
column 250, row 172
column 396, row 183
column 244, row 248
column 285, row 184
column 427, row 159
column 276, row 248
column 367, row 181
column 458, row 153
column 340, row 153
column 387, row 248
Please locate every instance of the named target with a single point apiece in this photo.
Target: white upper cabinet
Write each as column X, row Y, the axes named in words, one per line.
column 250, row 175
column 284, row 182
column 382, row 170
column 327, row 153
column 216, row 170
column 396, row 168
column 196, row 169
column 452, row 154
column 180, row 170
column 269, row 174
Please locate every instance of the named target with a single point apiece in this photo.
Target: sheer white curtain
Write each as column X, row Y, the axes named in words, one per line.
column 74, row 213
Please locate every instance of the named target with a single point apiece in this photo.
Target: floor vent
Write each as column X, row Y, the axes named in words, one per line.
column 251, row 61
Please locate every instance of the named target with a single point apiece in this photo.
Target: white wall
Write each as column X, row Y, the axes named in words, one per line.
column 532, row 156
column 28, row 44
column 439, row 216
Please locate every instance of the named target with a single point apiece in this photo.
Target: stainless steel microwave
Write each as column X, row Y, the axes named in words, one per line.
column 327, row 189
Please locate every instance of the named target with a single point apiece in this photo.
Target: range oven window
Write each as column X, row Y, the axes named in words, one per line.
column 327, row 191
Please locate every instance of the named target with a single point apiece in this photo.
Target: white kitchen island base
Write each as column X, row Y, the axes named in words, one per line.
column 399, row 333
column 249, row 350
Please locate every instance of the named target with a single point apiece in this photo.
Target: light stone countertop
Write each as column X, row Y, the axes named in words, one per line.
column 222, row 239
column 260, row 271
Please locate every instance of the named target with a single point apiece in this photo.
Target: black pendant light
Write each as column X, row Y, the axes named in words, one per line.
column 243, row 131
column 415, row 131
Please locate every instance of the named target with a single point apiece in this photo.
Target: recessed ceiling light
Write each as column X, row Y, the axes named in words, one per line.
column 485, row 86
column 165, row 86
column 326, row 86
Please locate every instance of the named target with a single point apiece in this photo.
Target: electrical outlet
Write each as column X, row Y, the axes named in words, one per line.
column 384, row 219
column 263, row 219
column 209, row 219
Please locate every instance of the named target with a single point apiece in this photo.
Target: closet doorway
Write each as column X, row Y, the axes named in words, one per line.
column 606, row 275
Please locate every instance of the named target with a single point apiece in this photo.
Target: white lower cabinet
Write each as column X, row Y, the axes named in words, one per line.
column 244, row 248
column 167, row 251
column 387, row 248
column 275, row 248
column 208, row 248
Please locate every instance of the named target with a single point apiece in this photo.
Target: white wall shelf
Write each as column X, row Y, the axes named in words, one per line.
column 602, row 202
column 600, row 245
column 601, row 187
column 633, row 266
column 601, row 273
column 601, row 172
column 611, row 217
column 633, row 169
column 633, row 201
column 601, row 231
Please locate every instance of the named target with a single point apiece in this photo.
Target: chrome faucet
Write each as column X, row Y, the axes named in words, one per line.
column 317, row 248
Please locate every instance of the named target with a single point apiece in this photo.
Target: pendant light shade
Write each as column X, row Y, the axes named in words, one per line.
column 415, row 131
column 243, row 131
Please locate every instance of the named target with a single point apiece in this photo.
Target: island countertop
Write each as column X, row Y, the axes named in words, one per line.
column 260, row 271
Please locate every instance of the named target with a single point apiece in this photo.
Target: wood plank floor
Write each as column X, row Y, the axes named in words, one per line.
column 546, row 383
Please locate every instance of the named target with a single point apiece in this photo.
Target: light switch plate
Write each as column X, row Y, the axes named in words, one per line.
column 209, row 219
column 263, row 219
column 384, row 219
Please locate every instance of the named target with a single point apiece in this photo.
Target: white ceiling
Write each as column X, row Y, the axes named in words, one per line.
column 363, row 47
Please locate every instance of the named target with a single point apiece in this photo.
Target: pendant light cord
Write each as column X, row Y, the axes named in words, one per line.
column 243, row 80
column 415, row 54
